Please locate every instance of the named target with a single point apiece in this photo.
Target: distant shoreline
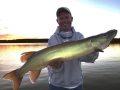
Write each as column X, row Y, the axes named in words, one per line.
column 28, row 41
column 25, row 41
column 115, row 41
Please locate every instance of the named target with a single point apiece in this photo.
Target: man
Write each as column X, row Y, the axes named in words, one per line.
column 66, row 75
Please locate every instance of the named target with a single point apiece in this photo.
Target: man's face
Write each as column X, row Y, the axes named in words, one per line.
column 64, row 20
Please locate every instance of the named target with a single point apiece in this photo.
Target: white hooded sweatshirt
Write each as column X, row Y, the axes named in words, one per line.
column 70, row 74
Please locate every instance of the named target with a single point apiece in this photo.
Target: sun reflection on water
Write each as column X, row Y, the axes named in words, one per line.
column 112, row 51
column 10, row 55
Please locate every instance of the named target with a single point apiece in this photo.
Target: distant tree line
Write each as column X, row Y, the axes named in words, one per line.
column 116, row 40
column 25, row 41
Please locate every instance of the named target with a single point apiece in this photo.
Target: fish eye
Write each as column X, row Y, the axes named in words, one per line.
column 105, row 34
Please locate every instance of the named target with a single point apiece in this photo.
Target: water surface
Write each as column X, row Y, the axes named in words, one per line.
column 104, row 74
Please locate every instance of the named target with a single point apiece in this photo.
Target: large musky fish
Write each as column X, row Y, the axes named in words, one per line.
column 35, row 61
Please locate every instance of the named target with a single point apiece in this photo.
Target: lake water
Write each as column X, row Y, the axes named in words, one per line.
column 104, row 74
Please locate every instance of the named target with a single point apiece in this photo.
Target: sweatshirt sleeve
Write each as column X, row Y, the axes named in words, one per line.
column 53, row 41
column 90, row 58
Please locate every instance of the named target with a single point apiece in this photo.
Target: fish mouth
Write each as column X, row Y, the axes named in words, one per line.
column 112, row 33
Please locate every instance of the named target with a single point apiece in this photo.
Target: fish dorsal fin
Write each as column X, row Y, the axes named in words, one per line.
column 26, row 55
column 34, row 75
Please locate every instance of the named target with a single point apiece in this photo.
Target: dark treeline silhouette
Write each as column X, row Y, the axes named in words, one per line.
column 115, row 40
column 25, row 41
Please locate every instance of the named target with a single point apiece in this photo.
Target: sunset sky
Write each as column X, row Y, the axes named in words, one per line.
column 37, row 18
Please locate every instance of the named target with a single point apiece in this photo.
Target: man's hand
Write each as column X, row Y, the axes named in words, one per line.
column 56, row 64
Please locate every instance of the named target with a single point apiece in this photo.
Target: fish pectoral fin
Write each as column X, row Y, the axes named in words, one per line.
column 26, row 55
column 34, row 75
column 13, row 77
column 99, row 50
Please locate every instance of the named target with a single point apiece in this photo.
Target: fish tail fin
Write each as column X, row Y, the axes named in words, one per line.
column 13, row 77
column 34, row 75
column 26, row 55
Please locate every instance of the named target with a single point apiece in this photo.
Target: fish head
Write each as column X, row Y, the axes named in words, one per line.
column 103, row 40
